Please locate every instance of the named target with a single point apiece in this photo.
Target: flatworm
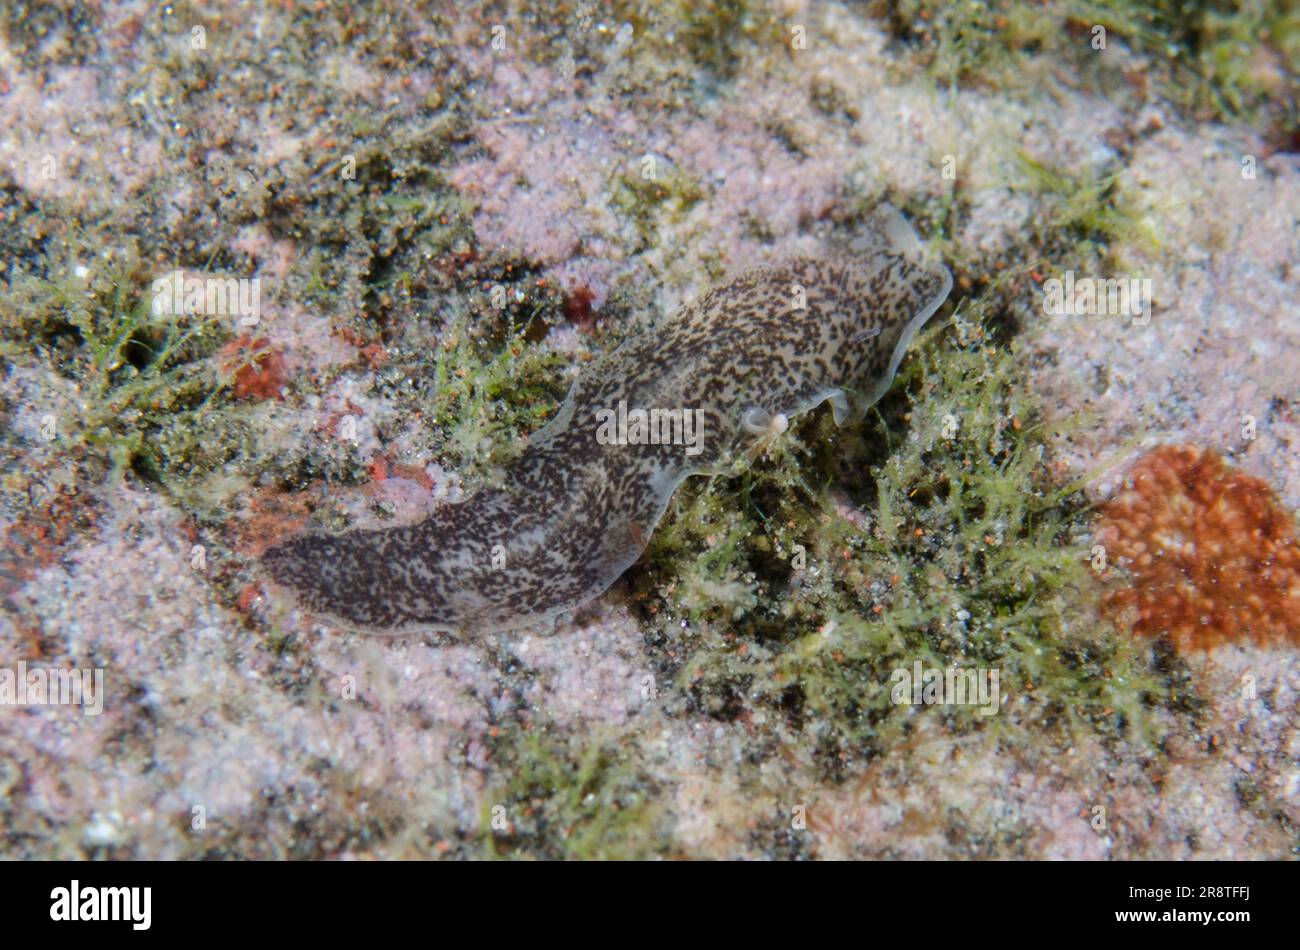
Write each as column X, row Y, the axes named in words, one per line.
column 578, row 506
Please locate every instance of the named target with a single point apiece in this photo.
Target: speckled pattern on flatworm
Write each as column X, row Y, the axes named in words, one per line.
column 575, row 513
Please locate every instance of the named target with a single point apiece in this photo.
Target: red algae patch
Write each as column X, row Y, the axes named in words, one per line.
column 1212, row 557
column 260, row 372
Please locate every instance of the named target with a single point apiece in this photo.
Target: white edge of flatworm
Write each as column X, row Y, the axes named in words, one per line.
column 905, row 340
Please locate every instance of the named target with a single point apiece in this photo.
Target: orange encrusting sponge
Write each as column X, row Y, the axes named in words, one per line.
column 1212, row 556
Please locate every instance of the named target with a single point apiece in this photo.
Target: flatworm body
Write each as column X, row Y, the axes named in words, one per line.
column 578, row 506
